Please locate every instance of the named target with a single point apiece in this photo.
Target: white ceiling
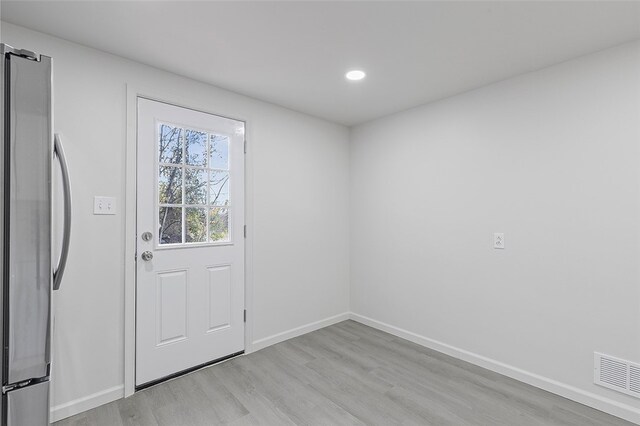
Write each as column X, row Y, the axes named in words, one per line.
column 295, row 54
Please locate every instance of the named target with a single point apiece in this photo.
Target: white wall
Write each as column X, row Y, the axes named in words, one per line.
column 552, row 159
column 549, row 158
column 298, row 191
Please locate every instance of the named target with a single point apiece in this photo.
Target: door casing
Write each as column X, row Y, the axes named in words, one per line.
column 198, row 103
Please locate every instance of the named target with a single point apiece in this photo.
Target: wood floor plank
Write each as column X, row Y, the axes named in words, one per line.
column 78, row 420
column 345, row 374
column 134, row 411
column 242, row 384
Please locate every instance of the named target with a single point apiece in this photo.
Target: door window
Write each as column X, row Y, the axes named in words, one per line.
column 193, row 186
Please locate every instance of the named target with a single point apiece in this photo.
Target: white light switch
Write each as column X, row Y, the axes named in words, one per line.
column 498, row 240
column 104, row 205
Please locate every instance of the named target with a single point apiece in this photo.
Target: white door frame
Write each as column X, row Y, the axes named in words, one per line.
column 178, row 98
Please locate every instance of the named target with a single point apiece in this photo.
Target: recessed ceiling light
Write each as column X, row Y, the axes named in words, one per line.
column 355, row 75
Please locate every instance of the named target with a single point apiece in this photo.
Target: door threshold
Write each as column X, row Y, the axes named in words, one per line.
column 187, row 371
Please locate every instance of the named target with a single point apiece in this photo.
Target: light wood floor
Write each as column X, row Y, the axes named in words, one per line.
column 344, row 374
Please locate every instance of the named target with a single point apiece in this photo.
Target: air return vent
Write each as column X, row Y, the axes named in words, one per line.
column 617, row 374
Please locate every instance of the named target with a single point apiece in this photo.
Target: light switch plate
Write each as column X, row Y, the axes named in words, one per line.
column 104, row 205
column 498, row 240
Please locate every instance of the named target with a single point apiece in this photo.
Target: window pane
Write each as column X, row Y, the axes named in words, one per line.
column 195, row 186
column 170, row 185
column 219, row 224
column 219, row 188
column 170, row 231
column 196, row 148
column 196, row 231
column 219, row 152
column 170, row 146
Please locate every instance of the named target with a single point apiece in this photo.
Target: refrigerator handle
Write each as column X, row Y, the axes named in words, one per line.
column 62, row 263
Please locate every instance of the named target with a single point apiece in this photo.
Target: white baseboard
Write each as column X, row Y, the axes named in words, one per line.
column 85, row 403
column 298, row 331
column 88, row 402
column 598, row 402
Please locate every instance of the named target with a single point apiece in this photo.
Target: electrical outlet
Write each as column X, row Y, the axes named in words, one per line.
column 104, row 205
column 498, row 240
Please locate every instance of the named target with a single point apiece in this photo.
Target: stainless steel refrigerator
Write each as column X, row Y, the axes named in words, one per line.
column 28, row 272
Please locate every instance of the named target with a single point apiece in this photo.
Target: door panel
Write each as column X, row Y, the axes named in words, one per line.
column 190, row 201
column 29, row 245
column 172, row 306
column 28, row 405
column 219, row 297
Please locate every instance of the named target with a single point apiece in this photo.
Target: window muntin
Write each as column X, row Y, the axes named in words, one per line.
column 193, row 186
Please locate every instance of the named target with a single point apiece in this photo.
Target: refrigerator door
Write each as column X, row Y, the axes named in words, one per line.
column 28, row 405
column 28, row 157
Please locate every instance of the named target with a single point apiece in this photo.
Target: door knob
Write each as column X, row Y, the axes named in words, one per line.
column 147, row 256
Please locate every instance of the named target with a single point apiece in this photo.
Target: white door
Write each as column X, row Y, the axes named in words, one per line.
column 190, row 239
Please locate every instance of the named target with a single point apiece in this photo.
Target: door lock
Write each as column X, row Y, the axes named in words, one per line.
column 146, row 236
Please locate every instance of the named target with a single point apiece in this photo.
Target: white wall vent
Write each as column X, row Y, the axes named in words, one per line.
column 617, row 374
